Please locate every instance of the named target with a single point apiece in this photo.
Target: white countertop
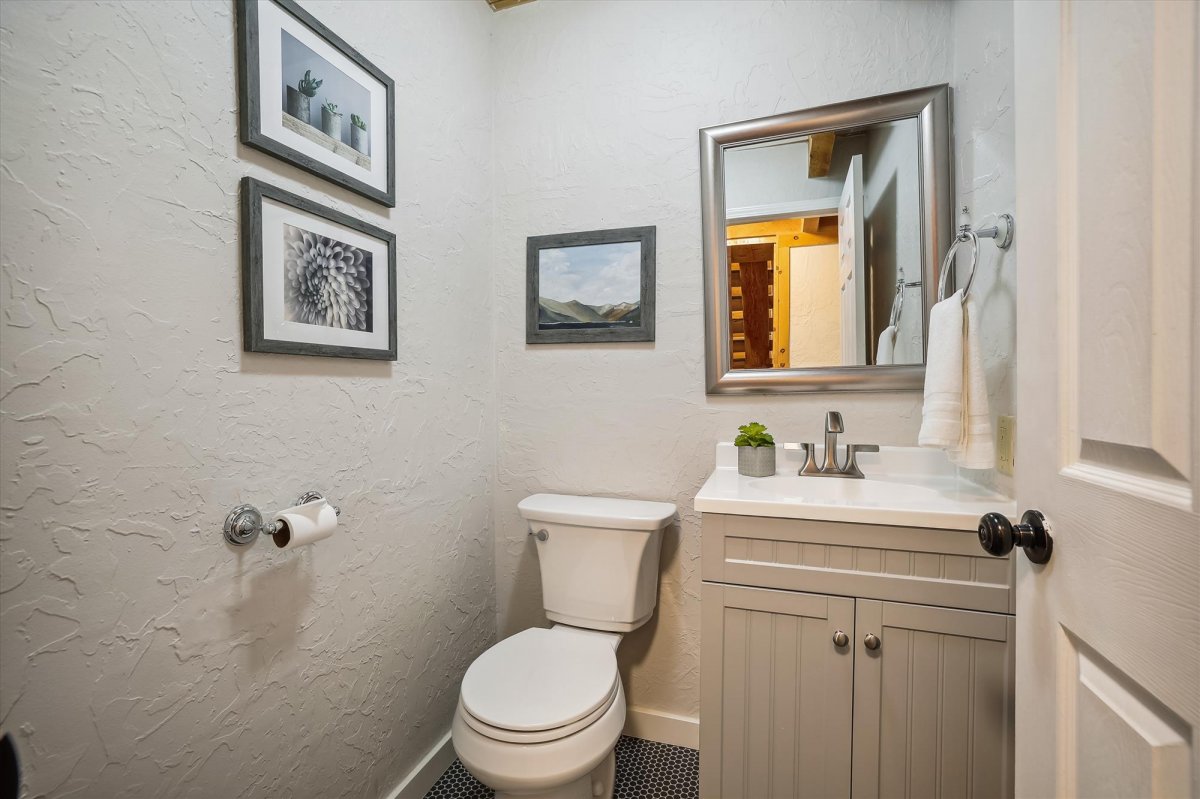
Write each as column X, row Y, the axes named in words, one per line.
column 904, row 486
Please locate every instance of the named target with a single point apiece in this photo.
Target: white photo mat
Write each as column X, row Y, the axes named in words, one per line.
column 274, row 216
column 273, row 19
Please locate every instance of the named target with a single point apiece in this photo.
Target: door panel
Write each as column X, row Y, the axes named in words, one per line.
column 1108, row 687
column 851, row 254
column 932, row 705
column 775, row 694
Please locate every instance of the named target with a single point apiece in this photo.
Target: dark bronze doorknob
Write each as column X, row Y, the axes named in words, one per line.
column 998, row 536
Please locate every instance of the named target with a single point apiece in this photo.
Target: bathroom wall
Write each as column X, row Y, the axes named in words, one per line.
column 141, row 654
column 892, row 227
column 597, row 109
column 985, row 176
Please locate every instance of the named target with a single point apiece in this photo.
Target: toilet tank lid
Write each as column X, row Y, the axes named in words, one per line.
column 618, row 514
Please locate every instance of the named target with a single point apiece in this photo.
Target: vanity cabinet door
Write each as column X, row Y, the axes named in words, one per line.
column 776, row 693
column 933, row 710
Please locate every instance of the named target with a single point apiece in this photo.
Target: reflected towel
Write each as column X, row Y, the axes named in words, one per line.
column 885, row 350
column 955, row 416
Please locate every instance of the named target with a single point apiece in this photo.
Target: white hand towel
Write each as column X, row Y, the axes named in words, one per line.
column 955, row 417
column 885, row 350
column 977, row 450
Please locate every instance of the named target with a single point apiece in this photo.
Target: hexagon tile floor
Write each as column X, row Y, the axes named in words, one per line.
column 645, row 770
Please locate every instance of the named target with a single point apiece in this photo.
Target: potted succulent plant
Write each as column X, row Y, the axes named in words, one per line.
column 756, row 450
column 358, row 134
column 331, row 120
column 298, row 104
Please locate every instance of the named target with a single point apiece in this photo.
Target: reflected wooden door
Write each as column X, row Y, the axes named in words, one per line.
column 1108, row 632
column 751, row 282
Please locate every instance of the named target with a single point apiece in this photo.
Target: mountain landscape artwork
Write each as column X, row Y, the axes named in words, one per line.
column 590, row 287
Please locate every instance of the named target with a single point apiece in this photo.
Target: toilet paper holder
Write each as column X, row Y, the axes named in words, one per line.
column 245, row 522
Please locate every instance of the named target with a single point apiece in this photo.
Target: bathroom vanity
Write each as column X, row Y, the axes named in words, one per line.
column 856, row 640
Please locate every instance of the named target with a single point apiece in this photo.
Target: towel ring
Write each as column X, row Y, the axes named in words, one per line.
column 1001, row 233
column 965, row 234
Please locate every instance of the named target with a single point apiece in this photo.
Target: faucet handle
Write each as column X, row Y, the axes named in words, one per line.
column 810, row 460
column 833, row 422
column 851, row 469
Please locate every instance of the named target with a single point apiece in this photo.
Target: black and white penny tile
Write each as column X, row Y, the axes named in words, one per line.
column 645, row 770
column 457, row 783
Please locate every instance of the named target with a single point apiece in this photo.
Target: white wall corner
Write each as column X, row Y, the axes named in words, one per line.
column 666, row 728
column 426, row 773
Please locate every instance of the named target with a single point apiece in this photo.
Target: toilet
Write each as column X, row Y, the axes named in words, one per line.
column 540, row 712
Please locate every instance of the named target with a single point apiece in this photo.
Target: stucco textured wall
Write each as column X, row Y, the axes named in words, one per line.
column 597, row 108
column 141, row 655
column 596, row 116
column 985, row 175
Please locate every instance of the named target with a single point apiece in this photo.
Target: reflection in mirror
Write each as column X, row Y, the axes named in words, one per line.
column 823, row 232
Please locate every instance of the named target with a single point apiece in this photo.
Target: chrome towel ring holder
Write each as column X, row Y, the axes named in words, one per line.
column 1001, row 233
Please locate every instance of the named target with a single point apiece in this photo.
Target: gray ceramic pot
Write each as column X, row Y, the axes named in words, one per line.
column 331, row 124
column 298, row 105
column 358, row 139
column 756, row 461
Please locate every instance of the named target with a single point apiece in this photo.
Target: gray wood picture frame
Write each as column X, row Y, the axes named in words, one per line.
column 535, row 334
column 250, row 101
column 253, row 337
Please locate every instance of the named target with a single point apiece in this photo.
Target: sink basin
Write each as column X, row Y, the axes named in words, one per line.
column 904, row 486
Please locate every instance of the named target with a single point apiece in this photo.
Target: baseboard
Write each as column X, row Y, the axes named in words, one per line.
column 426, row 773
column 667, row 728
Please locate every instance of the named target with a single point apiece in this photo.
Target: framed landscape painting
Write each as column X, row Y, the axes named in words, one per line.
column 594, row 286
column 315, row 281
column 309, row 98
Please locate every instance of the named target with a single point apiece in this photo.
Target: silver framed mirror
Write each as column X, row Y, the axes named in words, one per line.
column 823, row 231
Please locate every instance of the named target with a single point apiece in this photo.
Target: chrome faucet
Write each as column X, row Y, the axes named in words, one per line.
column 831, row 468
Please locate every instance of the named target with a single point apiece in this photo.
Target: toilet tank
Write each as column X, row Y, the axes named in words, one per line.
column 599, row 558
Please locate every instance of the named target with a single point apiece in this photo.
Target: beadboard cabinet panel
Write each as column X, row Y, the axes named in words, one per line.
column 933, row 710
column 776, row 694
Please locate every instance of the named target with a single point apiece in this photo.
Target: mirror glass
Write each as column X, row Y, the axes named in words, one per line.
column 823, row 230
column 824, row 249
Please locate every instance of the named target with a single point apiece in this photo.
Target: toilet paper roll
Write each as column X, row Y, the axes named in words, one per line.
column 305, row 524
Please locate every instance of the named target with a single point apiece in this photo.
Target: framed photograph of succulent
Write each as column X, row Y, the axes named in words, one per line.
column 589, row 287
column 309, row 98
column 315, row 281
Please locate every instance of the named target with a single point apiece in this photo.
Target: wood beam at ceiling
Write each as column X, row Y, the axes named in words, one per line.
column 501, row 5
column 820, row 154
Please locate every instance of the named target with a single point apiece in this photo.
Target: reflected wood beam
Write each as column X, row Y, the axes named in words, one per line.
column 810, row 224
column 820, row 154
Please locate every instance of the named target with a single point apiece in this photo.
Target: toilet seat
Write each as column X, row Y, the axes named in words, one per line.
column 539, row 685
column 537, row 736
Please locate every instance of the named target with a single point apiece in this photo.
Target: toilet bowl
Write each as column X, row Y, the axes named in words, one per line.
column 540, row 712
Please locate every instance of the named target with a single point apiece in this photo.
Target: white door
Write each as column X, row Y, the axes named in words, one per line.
column 850, row 267
column 1108, row 224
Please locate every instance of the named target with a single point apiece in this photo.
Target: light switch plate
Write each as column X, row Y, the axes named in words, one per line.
column 1005, row 442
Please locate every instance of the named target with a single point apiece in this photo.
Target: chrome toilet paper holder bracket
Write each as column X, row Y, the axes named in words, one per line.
column 245, row 523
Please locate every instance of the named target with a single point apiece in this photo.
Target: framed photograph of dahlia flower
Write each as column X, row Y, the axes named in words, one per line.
column 309, row 98
column 315, row 281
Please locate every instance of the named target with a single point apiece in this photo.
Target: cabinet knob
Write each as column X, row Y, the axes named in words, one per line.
column 840, row 638
column 872, row 641
column 998, row 536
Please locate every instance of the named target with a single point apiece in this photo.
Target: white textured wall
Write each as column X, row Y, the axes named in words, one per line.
column 596, row 117
column 985, row 176
column 141, row 655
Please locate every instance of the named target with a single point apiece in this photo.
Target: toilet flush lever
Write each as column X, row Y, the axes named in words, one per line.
column 540, row 535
